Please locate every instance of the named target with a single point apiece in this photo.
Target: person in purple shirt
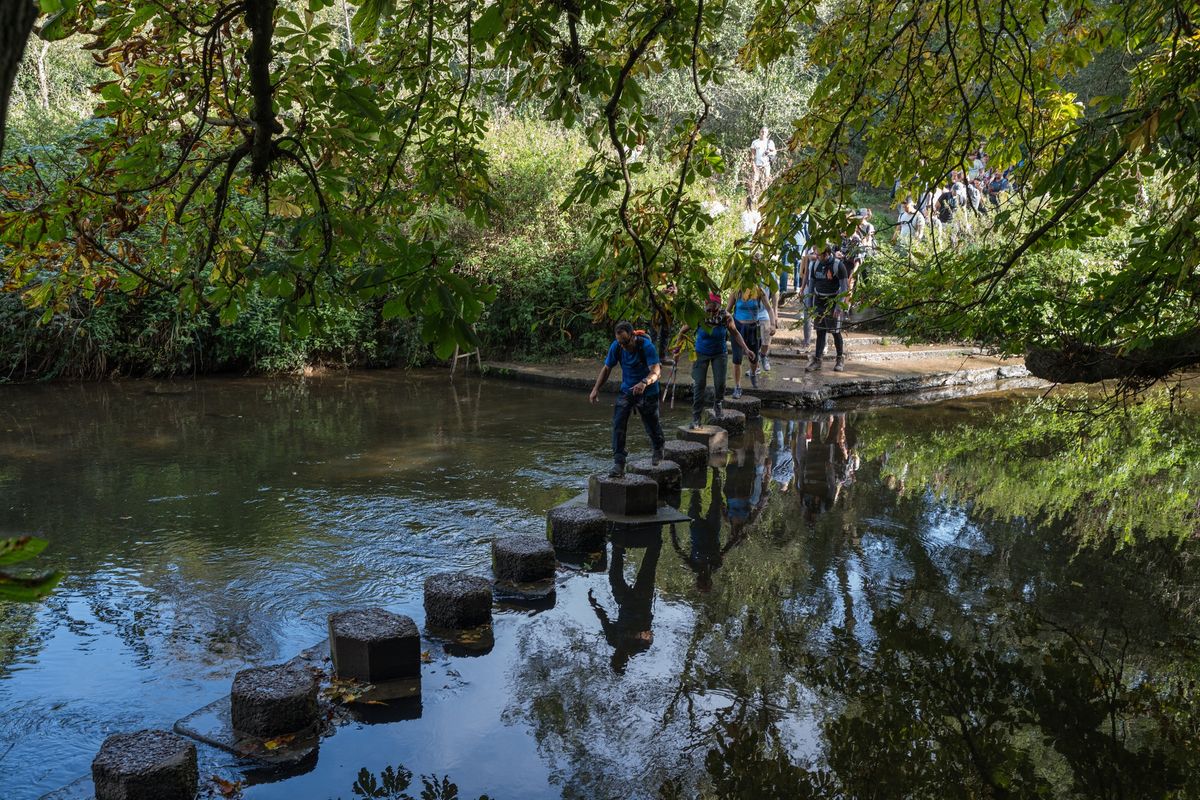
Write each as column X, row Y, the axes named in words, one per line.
column 640, row 371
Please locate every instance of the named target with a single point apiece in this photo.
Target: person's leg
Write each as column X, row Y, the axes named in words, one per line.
column 719, row 367
column 648, row 409
column 737, row 360
column 751, row 335
column 699, row 383
column 820, row 320
column 620, row 421
column 807, row 311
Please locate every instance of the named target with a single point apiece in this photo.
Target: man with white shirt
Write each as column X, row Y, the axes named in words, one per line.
column 763, row 150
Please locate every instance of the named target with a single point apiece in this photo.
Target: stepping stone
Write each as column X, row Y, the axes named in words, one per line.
column 688, row 455
column 711, row 436
column 373, row 645
column 579, row 529
column 733, row 422
column 750, row 406
column 630, row 496
column 457, row 600
column 273, row 701
column 667, row 474
column 522, row 559
column 147, row 765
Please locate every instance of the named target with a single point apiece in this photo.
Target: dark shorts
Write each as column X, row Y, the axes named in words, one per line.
column 749, row 332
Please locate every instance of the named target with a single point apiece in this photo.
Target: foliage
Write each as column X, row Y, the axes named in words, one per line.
column 393, row 784
column 1111, row 478
column 920, row 86
column 26, row 587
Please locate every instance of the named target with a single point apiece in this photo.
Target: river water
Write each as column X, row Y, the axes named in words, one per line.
column 819, row 630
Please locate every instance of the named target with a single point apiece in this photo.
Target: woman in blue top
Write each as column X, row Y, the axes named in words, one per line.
column 745, row 307
column 711, row 337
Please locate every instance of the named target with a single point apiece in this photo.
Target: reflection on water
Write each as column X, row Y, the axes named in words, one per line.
column 816, row 630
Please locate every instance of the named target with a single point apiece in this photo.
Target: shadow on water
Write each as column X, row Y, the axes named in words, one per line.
column 818, row 629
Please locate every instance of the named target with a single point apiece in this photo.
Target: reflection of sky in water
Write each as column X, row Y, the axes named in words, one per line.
column 217, row 528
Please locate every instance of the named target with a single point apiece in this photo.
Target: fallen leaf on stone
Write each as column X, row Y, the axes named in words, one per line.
column 426, row 657
column 279, row 741
column 226, row 788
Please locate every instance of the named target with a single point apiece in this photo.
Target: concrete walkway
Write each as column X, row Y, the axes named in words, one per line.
column 878, row 369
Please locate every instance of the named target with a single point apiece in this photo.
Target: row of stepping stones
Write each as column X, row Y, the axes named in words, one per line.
column 376, row 646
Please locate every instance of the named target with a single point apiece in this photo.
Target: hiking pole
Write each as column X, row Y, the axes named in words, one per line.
column 671, row 384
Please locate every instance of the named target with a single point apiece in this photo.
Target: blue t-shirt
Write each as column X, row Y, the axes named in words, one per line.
column 746, row 310
column 634, row 366
column 712, row 333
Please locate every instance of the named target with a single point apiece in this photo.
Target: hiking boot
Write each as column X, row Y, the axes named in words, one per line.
column 695, row 422
column 737, row 392
column 617, row 471
column 656, row 457
column 840, row 364
column 717, row 410
column 754, row 379
column 814, row 365
column 766, row 364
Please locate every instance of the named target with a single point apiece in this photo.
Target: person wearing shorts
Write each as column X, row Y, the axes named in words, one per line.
column 745, row 307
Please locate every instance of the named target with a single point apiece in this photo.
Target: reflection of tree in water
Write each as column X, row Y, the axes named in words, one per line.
column 861, row 643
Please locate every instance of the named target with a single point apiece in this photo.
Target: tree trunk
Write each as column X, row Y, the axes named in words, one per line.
column 260, row 19
column 1075, row 362
column 43, row 76
column 16, row 23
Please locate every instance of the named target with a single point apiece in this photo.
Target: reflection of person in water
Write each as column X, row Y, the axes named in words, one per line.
column 739, row 489
column 630, row 633
column 843, row 460
column 705, row 555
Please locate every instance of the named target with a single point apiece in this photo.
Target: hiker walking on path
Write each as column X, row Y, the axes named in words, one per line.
column 640, row 372
column 831, row 282
column 745, row 307
column 762, row 150
column 716, row 329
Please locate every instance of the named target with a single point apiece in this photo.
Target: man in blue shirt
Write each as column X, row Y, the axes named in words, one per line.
column 640, row 370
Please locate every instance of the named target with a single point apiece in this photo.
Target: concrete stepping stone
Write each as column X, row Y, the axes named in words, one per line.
column 457, row 600
column 711, row 436
column 688, row 455
column 667, row 474
column 373, row 645
column 577, row 528
column 733, row 422
column 273, row 701
column 750, row 406
column 631, row 495
column 146, row 765
column 522, row 559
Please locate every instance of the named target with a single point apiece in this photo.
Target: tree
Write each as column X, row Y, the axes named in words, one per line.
column 921, row 86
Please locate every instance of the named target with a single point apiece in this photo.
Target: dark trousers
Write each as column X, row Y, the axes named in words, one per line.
column 647, row 408
column 700, row 380
column 827, row 321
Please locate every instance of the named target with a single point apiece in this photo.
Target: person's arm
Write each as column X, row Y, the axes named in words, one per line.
column 737, row 337
column 601, row 379
column 648, row 381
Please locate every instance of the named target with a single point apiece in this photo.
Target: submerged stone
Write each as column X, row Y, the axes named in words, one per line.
column 750, row 406
column 577, row 528
column 147, row 765
column 688, row 455
column 457, row 600
column 273, row 701
column 522, row 559
column 711, row 436
column 733, row 422
column 374, row 645
column 667, row 474
column 630, row 495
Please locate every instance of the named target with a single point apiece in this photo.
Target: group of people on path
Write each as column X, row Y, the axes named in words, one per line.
column 954, row 206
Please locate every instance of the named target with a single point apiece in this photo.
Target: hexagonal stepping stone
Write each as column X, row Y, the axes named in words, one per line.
column 273, row 701
column 147, row 765
column 688, row 455
column 711, row 436
column 578, row 529
column 457, row 600
column 667, row 474
column 733, row 422
column 374, row 645
column 522, row 559
column 629, row 495
column 750, row 406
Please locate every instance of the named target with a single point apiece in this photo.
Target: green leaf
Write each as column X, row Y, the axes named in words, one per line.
column 14, row 551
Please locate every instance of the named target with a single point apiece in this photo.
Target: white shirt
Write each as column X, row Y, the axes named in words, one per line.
column 763, row 148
